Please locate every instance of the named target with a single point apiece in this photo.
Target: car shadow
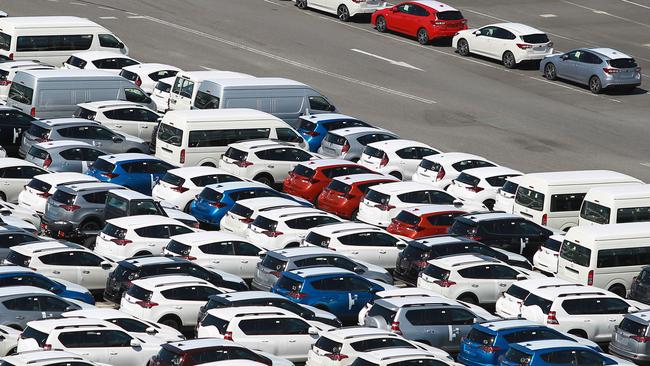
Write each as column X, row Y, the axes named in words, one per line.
column 613, row 91
column 357, row 19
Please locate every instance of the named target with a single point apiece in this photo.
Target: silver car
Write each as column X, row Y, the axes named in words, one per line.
column 598, row 68
column 64, row 155
column 348, row 143
column 80, row 130
column 22, row 304
column 631, row 338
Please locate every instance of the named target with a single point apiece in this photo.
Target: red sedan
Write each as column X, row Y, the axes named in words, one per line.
column 421, row 221
column 424, row 19
column 343, row 195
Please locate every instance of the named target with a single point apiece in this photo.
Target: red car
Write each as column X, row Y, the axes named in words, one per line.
column 343, row 195
column 424, row 19
column 308, row 179
column 421, row 221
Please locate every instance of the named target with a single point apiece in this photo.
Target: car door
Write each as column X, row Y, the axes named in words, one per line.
column 430, row 324
column 92, row 274
column 481, row 40
column 616, row 310
column 86, row 343
column 480, row 282
column 461, row 322
column 221, row 255
column 21, row 310
column 147, row 122
column 566, row 66
column 266, row 335
column 51, row 306
column 181, row 96
column 359, row 293
column 413, row 20
column 72, row 160
column 585, row 66
column 107, row 139
column 248, row 255
column 61, row 265
column 13, row 179
column 501, row 42
column 299, row 341
column 358, row 246
column 186, row 302
column 387, row 248
column 120, row 120
column 398, row 18
column 120, row 351
column 504, row 277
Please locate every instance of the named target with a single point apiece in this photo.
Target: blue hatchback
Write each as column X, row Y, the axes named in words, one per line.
column 556, row 352
column 19, row 276
column 135, row 171
column 314, row 127
column 338, row 291
column 486, row 342
column 211, row 205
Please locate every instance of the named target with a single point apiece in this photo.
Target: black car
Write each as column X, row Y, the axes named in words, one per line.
column 640, row 290
column 141, row 267
column 503, row 231
column 12, row 125
column 414, row 257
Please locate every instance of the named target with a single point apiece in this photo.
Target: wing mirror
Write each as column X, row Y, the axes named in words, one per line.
column 151, row 331
column 521, row 277
column 135, row 343
column 401, row 246
column 312, row 331
column 476, row 32
column 458, row 203
column 117, row 139
column 120, row 45
column 106, row 265
column 394, row 10
column 358, row 269
column 564, row 57
column 262, row 254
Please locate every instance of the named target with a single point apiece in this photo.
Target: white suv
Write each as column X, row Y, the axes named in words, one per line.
column 172, row 300
column 133, row 236
column 48, row 358
column 286, row 227
column 509, row 304
column 9, row 341
column 471, row 278
column 358, row 241
column 548, row 255
column 344, row 9
column 121, row 116
column 399, row 158
column 505, row 198
column 265, row 161
column 243, row 212
column 440, row 170
column 480, row 185
column 34, row 195
column 146, row 75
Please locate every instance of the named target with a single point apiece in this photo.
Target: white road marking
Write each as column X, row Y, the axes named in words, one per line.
column 105, row 8
column 646, row 45
column 637, row 4
column 137, row 17
column 606, row 13
column 274, row 3
column 393, row 62
column 548, row 15
column 206, row 68
column 290, row 62
column 107, row 17
column 76, row 3
column 645, row 164
column 131, row 13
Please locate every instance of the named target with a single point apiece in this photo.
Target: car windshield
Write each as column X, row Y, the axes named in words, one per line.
column 204, row 100
column 170, row 134
column 530, row 199
column 480, row 337
column 535, row 38
column 595, row 213
column 630, row 326
column 468, row 179
column 436, row 272
column 39, row 185
column 273, row 263
column 163, row 87
column 265, row 223
column 377, row 197
column 63, row 197
column 173, row 179
column 102, row 165
column 575, row 253
column 373, row 152
column 5, row 41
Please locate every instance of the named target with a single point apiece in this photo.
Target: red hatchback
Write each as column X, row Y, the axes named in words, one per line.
column 421, row 221
column 308, row 179
column 424, row 19
column 343, row 195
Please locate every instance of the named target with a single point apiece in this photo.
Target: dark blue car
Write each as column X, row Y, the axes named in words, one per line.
column 557, row 353
column 19, row 276
column 314, row 127
column 138, row 172
column 338, row 291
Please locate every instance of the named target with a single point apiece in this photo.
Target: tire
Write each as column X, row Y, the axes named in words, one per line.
column 209, row 164
column 380, row 24
column 187, row 207
column 301, row 4
column 550, row 72
column 578, row 332
column 508, row 60
column 397, row 175
column 90, row 225
column 343, row 13
column 618, row 290
column 141, row 254
column 171, row 322
column 489, row 204
column 462, row 47
column 468, row 298
column 3, row 196
column 423, row 36
column 595, row 85
column 264, row 179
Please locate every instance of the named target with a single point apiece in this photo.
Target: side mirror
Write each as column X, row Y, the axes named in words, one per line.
column 458, row 203
column 565, row 57
column 394, row 10
column 71, row 308
column 632, row 309
column 262, row 253
column 312, row 331
column 358, row 269
column 135, row 343
column 521, row 277
column 55, row 290
column 5, row 212
column 332, row 108
column 401, row 246
column 151, row 331
column 106, row 265
column 147, row 100
column 120, row 45
column 117, row 139
column 476, row 32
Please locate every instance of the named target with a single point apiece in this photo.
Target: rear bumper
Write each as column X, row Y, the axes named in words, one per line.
column 627, row 354
column 61, row 229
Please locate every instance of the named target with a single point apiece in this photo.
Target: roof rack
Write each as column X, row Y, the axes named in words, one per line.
column 582, row 294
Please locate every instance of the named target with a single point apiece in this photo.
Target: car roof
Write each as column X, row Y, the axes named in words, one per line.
column 61, row 143
column 609, row 232
column 622, row 192
column 19, row 64
column 452, row 157
column 543, row 283
column 97, row 55
column 324, row 117
column 72, row 73
column 427, row 209
column 398, row 302
column 551, row 293
column 365, row 177
column 358, row 130
column 301, row 252
column 577, row 177
column 211, row 115
column 143, row 220
column 262, row 144
column 498, row 325
column 245, row 295
column 491, row 171
column 7, row 162
column 46, row 246
column 131, row 195
column 293, row 212
column 320, row 271
column 228, row 313
column 13, row 269
column 609, row 53
column 463, row 260
column 151, row 260
column 397, row 355
column 401, row 187
column 642, row 316
column 553, row 343
column 149, row 67
column 22, row 291
column 319, row 163
column 262, row 202
column 435, row 5
column 79, row 187
column 396, row 144
column 55, row 122
column 443, row 239
column 196, row 171
column 487, row 216
column 38, row 356
column 203, row 237
column 60, row 178
column 356, row 332
column 97, row 313
column 230, row 186
column 345, row 227
column 518, row 28
column 405, row 292
column 116, row 158
column 49, row 325
column 197, row 343
column 107, row 105
column 48, row 21
column 165, row 282
column 253, row 81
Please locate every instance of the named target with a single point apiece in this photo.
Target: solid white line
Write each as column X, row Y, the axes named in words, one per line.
column 637, row 4
column 137, row 17
column 206, row 68
column 606, row 13
column 291, row 62
column 107, row 17
column 131, row 13
column 105, row 8
column 393, row 62
column 274, row 3
column 645, row 164
column 76, row 3
column 548, row 15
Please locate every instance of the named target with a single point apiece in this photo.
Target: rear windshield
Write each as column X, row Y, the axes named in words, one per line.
column 236, row 154
column 38, row 153
column 462, row 228
column 529, row 198
column 552, row 244
column 18, row 259
column 114, row 231
column 5, row 41
column 289, row 284
column 102, row 165
column 173, row 179
column 206, row 180
column 534, row 300
column 408, row 218
column 374, row 196
column 21, row 93
column 128, row 75
column 273, row 263
column 38, row 336
column 429, row 165
column 510, row 187
column 241, row 210
column 623, row 63
column 535, row 38
column 338, row 186
column 514, row 355
column 305, row 125
column 163, row 87
column 630, row 326
column 575, row 253
column 38, row 131
column 303, row 171
column 210, row 195
column 39, row 185
column 139, row 293
column 480, row 337
column 204, row 100
column 85, row 113
column 449, row 15
column 63, row 197
column 436, row 272
column 470, row 180
column 378, row 310
column 373, row 152
column 328, row 345
column 167, row 357
column 213, row 321
column 517, row 292
column 265, row 223
column 178, row 248
column 372, row 344
column 317, row 239
column 335, row 139
column 416, row 252
column 170, row 135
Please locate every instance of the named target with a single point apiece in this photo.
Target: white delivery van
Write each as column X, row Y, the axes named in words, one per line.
column 52, row 39
column 200, row 137
column 554, row 198
column 616, row 205
column 605, row 256
column 187, row 84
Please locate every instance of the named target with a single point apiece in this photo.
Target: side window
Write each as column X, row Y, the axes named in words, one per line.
column 51, row 303
column 585, row 357
column 329, row 284
column 102, row 133
column 27, row 303
column 91, row 154
column 156, row 231
column 504, row 273
column 616, row 306
column 504, row 34
column 287, row 135
column 476, row 272
column 560, row 358
column 444, row 219
column 178, row 230
column 306, row 223
column 88, row 259
column 575, row 55
column 97, row 197
column 356, row 284
column 584, row 306
column 320, row 104
column 116, row 338
column 109, row 41
column 461, row 317
column 567, row 202
column 220, row 248
column 179, row 293
column 421, row 317
column 187, row 88
column 408, row 153
column 177, row 85
column 488, row 31
column 72, row 154
column 246, row 249
column 60, row 259
column 135, row 95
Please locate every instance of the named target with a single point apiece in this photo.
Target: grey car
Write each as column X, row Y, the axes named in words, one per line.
column 64, row 155
column 631, row 338
column 83, row 130
column 10, row 236
column 348, row 143
column 22, row 304
column 274, row 262
column 640, row 288
column 598, row 68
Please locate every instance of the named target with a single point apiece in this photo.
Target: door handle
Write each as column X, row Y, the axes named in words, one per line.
column 430, row 331
column 271, row 166
column 612, row 320
column 20, row 317
column 474, row 285
column 355, row 252
column 118, row 126
column 85, row 272
column 172, row 101
column 56, row 272
column 178, row 307
column 113, row 353
column 244, row 261
column 216, row 261
column 503, row 284
column 292, row 341
column 382, row 251
column 145, row 126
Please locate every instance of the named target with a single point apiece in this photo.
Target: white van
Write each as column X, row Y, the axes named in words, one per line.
column 52, row 39
column 187, row 84
column 200, row 137
column 284, row 98
column 605, row 256
column 616, row 205
column 554, row 198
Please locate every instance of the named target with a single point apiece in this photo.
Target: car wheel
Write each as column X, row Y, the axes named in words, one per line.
column 397, row 175
column 468, row 298
column 578, row 332
column 380, row 24
column 508, row 60
column 188, row 206
column 264, row 179
column 301, row 4
column 343, row 13
column 595, row 85
column 462, row 47
column 89, row 226
column 618, row 290
column 170, row 322
column 550, row 72
column 489, row 204
column 423, row 36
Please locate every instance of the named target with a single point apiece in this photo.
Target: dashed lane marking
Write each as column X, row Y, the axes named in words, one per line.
column 107, row 17
column 548, row 15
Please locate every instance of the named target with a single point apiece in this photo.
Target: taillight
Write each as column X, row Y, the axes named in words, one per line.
column 437, row 22
column 444, row 283
column 179, row 189
column 524, row 46
column 110, row 175
column 70, row 208
column 5, row 82
column 385, row 207
column 146, row 304
column 544, row 219
column 32, row 112
column 11, row 56
column 611, row 70
column 441, row 174
column 227, row 336
column 551, row 319
column 47, row 347
column 121, row 242
column 312, row 133
column 641, row 339
column 590, row 278
column 297, row 295
column 638, row 70
column 384, row 161
column 336, row 356
column 246, row 220
column 44, row 194
column 47, row 162
column 138, row 81
column 276, row 273
column 420, row 264
column 473, row 234
column 243, row 163
column 474, row 189
column 182, row 157
column 490, row 349
column 272, row 233
column 217, row 204
column 346, row 147
column 394, row 327
column 188, row 257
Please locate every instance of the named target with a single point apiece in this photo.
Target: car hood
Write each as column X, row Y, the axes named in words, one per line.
column 69, row 286
column 130, row 138
column 178, row 214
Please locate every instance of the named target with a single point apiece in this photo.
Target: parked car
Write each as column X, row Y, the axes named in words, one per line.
column 41, row 187
column 630, row 338
column 135, row 171
column 441, row 169
column 399, row 158
column 18, row 211
column 481, row 184
column 548, row 255
column 21, row 276
column 48, row 358
column 510, row 302
column 64, row 156
column 422, row 221
column 9, row 340
column 315, row 127
column 14, row 175
column 146, row 75
column 125, row 117
column 22, row 304
column 11, row 236
column 9, row 68
column 13, row 123
column 99, row 60
column 349, row 143
column 553, row 352
column 505, row 198
column 245, row 211
column 125, row 202
column 345, row 9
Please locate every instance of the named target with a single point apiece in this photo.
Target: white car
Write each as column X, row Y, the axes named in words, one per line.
column 34, row 195
column 441, row 169
column 67, row 261
column 8, row 70
column 160, row 93
column 344, row 9
column 472, row 278
column 480, row 185
column 181, row 185
column 129, row 323
column 134, row 236
column 399, row 158
column 267, row 162
column 228, row 252
column 99, row 60
column 547, row 257
column 121, row 116
column 20, row 212
column 509, row 304
column 14, row 175
column 358, row 241
column 383, row 202
column 146, row 75
column 243, row 212
column 8, row 340
column 172, row 300
column 400, row 356
column 49, row 358
column 215, row 352
column 511, row 43
column 286, row 227
column 505, row 198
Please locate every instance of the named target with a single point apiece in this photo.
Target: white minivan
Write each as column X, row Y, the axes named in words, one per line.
column 187, row 83
column 200, row 137
column 616, row 205
column 52, row 39
column 605, row 256
column 554, row 198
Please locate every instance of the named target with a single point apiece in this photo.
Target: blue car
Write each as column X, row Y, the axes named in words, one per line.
column 138, row 172
column 557, row 353
column 211, row 205
column 335, row 290
column 19, row 276
column 314, row 127
column 486, row 342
